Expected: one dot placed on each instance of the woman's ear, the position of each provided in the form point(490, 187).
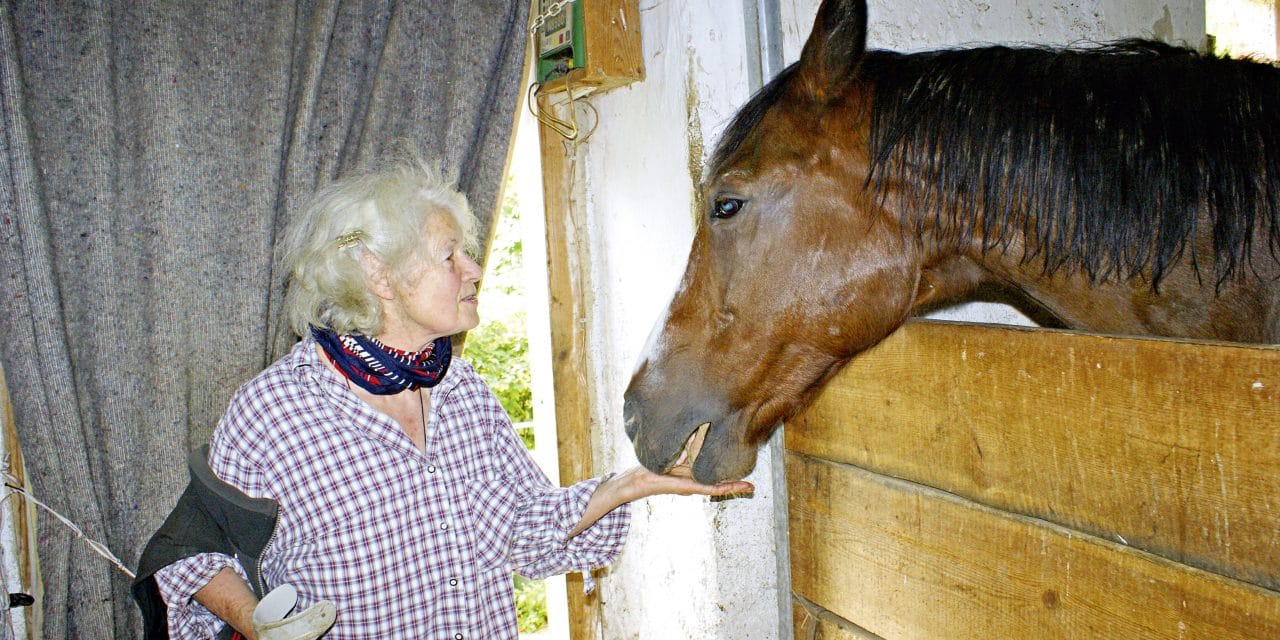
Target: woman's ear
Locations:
point(376, 274)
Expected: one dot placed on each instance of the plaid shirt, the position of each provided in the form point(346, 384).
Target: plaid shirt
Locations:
point(406, 544)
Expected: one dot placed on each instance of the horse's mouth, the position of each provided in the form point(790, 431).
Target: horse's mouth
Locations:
point(689, 453)
point(697, 441)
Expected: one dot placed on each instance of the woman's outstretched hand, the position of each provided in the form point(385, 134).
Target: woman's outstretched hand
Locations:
point(678, 480)
point(639, 482)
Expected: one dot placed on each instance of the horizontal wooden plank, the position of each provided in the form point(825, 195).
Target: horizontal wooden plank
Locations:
point(812, 622)
point(1168, 446)
point(905, 561)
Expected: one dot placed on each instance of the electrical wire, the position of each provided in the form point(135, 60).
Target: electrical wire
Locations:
point(12, 483)
point(566, 129)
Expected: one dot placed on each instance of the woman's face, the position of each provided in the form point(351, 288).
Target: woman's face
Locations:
point(436, 296)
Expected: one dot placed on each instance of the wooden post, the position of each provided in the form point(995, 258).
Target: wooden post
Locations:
point(566, 263)
point(18, 519)
point(611, 32)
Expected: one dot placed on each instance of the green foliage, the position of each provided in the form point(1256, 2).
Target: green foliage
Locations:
point(505, 266)
point(499, 347)
point(500, 353)
point(499, 350)
point(531, 604)
point(525, 431)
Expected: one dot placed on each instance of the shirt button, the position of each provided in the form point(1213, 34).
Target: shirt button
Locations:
point(453, 582)
point(457, 636)
point(444, 526)
point(431, 468)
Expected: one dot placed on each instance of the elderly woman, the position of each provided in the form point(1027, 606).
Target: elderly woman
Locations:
point(369, 470)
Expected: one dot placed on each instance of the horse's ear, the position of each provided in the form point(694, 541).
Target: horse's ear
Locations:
point(831, 55)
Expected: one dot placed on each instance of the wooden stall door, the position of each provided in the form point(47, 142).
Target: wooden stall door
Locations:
point(969, 481)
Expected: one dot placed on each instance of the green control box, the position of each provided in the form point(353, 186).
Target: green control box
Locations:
point(560, 43)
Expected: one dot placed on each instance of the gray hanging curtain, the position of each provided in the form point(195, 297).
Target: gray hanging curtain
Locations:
point(152, 152)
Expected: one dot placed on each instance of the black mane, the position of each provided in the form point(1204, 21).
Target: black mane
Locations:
point(1104, 157)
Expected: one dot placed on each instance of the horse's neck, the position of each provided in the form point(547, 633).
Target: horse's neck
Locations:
point(1186, 304)
point(1074, 300)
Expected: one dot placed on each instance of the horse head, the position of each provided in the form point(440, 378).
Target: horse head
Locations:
point(777, 293)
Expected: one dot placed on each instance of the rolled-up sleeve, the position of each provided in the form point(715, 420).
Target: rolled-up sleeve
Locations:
point(533, 518)
point(178, 584)
point(541, 545)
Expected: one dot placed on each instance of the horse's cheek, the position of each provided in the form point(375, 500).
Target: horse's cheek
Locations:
point(879, 286)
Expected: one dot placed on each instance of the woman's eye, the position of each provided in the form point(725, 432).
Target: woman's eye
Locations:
point(727, 207)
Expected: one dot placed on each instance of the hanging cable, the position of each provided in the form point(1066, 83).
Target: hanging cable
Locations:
point(566, 129)
point(12, 483)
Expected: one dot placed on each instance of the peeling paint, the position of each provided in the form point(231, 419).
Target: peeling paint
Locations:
point(693, 131)
point(1163, 28)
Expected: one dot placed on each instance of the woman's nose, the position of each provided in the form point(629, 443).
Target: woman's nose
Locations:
point(471, 269)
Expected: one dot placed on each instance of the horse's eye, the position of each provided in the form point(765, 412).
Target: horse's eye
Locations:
point(727, 207)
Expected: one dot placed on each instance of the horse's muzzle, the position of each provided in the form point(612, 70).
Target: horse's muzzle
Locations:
point(653, 449)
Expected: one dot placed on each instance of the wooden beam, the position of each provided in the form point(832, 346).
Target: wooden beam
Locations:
point(574, 397)
point(904, 561)
point(1171, 447)
point(19, 518)
point(611, 30)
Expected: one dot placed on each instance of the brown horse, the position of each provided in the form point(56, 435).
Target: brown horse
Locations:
point(1131, 188)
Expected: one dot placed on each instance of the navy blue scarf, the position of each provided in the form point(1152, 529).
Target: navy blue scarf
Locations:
point(383, 370)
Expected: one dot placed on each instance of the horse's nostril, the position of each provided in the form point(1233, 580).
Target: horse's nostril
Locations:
point(630, 423)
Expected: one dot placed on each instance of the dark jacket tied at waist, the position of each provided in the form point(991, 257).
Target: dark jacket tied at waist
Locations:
point(210, 517)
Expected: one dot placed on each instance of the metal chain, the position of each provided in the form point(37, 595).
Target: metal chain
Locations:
point(552, 11)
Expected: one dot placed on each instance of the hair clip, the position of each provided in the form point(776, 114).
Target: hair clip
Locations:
point(351, 239)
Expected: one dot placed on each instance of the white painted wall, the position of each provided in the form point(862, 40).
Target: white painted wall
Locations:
point(913, 25)
point(1243, 28)
point(693, 568)
point(677, 579)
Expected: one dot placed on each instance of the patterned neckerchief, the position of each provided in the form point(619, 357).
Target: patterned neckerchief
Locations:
point(383, 370)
